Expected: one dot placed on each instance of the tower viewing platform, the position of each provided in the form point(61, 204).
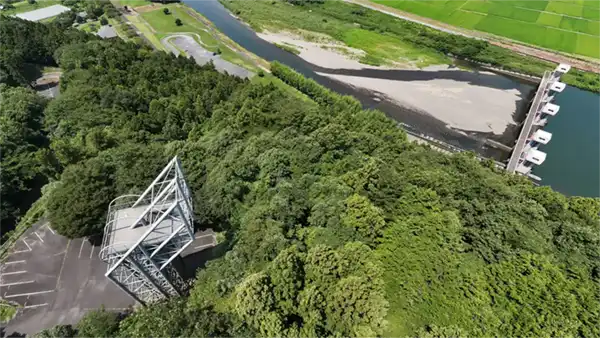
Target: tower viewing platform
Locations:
point(525, 153)
point(145, 233)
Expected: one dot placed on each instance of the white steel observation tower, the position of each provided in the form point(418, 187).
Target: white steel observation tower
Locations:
point(145, 233)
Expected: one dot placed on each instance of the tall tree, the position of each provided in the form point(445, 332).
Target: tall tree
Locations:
point(22, 142)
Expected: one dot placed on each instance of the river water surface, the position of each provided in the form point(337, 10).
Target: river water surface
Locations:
point(572, 166)
point(573, 162)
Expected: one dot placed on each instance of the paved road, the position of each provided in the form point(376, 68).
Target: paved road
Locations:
point(202, 56)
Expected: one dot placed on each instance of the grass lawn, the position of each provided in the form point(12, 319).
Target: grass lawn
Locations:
point(133, 3)
point(164, 25)
point(382, 47)
point(532, 22)
point(90, 27)
point(119, 27)
point(25, 6)
point(145, 29)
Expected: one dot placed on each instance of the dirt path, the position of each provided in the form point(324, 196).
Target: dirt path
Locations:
point(591, 66)
point(147, 8)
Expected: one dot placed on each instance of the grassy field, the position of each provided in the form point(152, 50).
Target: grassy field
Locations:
point(25, 6)
point(133, 3)
point(571, 26)
point(163, 25)
point(90, 27)
point(146, 31)
point(381, 49)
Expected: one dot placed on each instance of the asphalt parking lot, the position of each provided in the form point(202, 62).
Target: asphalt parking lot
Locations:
point(203, 56)
point(56, 280)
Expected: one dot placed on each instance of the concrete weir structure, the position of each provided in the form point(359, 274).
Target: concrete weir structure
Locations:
point(525, 153)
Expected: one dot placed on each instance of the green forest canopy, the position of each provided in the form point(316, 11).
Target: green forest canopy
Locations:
point(336, 225)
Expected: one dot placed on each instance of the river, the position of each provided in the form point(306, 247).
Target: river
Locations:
point(573, 162)
point(418, 120)
point(572, 166)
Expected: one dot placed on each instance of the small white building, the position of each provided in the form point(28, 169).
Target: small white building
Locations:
point(557, 86)
point(550, 109)
point(532, 157)
point(541, 136)
point(562, 68)
point(535, 156)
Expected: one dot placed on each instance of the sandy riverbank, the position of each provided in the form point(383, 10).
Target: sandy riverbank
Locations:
point(479, 102)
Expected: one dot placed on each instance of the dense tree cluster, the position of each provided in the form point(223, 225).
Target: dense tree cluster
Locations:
point(28, 46)
point(335, 224)
point(318, 293)
point(93, 8)
point(23, 151)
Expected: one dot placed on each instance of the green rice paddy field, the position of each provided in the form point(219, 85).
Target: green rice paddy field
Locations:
point(571, 26)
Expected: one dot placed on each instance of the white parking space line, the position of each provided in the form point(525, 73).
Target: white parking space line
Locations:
point(20, 251)
point(62, 265)
point(34, 306)
point(49, 228)
point(14, 262)
point(38, 236)
point(92, 252)
point(81, 247)
point(12, 273)
point(18, 283)
point(27, 294)
point(28, 247)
